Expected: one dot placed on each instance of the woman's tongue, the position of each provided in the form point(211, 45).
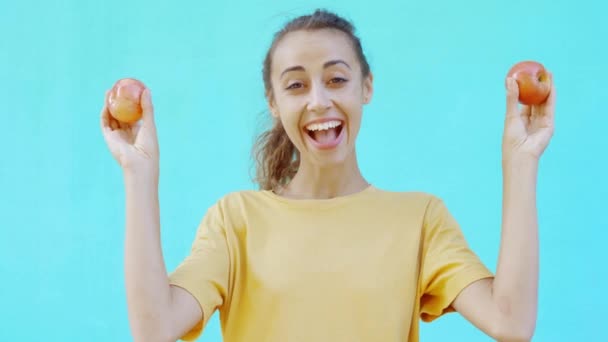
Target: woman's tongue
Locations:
point(325, 136)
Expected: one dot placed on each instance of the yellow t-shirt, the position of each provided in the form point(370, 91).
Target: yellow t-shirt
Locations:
point(362, 267)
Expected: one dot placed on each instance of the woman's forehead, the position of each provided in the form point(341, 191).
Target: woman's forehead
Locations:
point(312, 49)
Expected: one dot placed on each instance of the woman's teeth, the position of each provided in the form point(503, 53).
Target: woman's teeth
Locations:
point(323, 126)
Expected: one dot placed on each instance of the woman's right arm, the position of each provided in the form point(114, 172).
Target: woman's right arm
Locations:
point(157, 311)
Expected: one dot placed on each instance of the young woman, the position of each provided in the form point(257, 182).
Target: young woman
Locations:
point(319, 254)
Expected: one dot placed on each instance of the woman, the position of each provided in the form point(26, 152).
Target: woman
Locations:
point(319, 254)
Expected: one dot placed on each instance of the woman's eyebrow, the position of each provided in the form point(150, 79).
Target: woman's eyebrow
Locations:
point(334, 62)
point(325, 66)
point(293, 68)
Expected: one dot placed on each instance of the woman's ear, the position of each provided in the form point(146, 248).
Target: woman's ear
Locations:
point(272, 106)
point(368, 88)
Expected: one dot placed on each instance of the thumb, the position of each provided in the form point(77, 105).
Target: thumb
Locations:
point(512, 97)
point(147, 108)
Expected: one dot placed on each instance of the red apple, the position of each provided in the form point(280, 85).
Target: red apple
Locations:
point(124, 100)
point(533, 81)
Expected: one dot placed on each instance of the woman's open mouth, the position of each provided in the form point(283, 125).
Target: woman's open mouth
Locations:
point(325, 135)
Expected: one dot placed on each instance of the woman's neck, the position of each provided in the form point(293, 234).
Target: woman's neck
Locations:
point(314, 182)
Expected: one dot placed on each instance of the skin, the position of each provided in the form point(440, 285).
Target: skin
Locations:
point(504, 307)
point(315, 75)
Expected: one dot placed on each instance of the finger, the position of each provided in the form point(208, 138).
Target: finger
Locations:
point(123, 125)
point(109, 135)
point(549, 105)
point(113, 124)
point(526, 112)
point(114, 143)
point(136, 127)
point(147, 108)
point(512, 98)
point(104, 121)
point(106, 128)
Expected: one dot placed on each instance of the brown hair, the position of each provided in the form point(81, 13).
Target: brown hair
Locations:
point(276, 157)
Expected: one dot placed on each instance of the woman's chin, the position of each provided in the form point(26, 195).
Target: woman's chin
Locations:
point(324, 160)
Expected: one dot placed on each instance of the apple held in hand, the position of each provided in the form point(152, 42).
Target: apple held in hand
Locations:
point(124, 100)
point(533, 81)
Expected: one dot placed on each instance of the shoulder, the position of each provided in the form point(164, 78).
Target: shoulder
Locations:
point(242, 198)
point(240, 203)
point(420, 205)
point(409, 198)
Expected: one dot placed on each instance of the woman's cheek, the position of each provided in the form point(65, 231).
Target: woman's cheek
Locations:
point(293, 131)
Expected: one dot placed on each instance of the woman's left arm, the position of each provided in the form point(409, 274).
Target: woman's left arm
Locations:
point(505, 307)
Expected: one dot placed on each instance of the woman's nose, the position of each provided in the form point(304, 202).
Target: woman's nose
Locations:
point(319, 100)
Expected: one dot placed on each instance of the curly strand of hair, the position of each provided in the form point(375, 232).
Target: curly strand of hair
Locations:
point(278, 159)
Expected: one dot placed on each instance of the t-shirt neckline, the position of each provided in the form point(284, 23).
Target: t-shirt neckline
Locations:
point(321, 201)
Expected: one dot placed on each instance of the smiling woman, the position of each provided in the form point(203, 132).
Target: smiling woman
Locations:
point(319, 65)
point(318, 253)
point(316, 93)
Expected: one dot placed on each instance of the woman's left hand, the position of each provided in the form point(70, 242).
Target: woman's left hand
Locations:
point(528, 129)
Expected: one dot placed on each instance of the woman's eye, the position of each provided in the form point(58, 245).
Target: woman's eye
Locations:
point(337, 80)
point(295, 85)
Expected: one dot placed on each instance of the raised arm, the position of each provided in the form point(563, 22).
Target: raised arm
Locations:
point(506, 307)
point(157, 311)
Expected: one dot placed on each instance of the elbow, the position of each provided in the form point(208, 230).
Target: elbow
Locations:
point(520, 332)
point(151, 336)
point(514, 325)
point(150, 331)
point(511, 337)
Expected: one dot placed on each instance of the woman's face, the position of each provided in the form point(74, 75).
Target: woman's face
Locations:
point(318, 94)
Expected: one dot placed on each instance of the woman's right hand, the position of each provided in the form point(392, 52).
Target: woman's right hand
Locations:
point(134, 146)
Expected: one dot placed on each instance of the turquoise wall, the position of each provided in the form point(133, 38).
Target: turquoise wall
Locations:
point(434, 125)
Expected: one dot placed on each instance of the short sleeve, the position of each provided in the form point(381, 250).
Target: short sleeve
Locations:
point(448, 265)
point(204, 273)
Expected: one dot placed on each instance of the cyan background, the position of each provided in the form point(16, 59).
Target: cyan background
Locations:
point(434, 125)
